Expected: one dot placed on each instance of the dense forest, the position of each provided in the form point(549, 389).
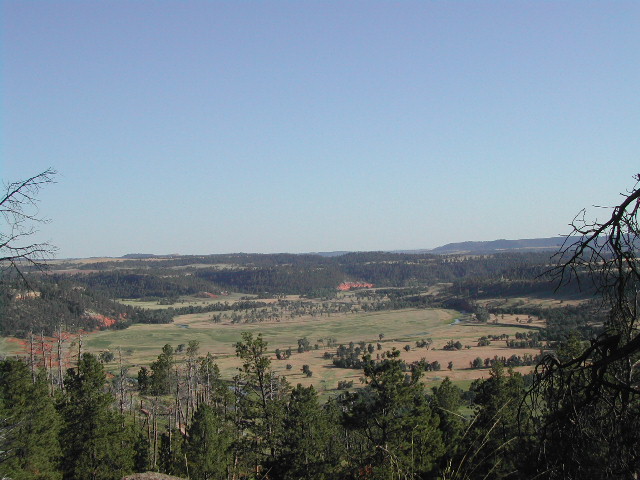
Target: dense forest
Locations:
point(297, 274)
point(51, 302)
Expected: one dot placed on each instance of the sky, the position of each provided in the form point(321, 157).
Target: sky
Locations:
point(202, 127)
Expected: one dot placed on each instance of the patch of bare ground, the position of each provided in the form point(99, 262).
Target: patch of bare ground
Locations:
point(150, 476)
point(537, 301)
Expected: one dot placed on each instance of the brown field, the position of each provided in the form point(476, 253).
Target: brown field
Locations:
point(141, 344)
point(539, 301)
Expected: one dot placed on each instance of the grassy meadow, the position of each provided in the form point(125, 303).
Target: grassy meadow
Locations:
point(141, 344)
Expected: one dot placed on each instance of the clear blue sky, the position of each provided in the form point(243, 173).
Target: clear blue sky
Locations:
point(202, 127)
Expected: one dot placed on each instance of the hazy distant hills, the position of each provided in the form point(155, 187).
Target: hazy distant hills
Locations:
point(493, 246)
point(530, 244)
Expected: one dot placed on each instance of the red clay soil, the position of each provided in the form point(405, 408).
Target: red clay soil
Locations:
point(105, 322)
point(206, 295)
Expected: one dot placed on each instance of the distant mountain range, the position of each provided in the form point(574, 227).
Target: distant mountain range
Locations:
point(493, 246)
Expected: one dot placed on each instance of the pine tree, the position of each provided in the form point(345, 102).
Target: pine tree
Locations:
point(398, 432)
point(160, 380)
point(261, 399)
point(95, 444)
point(215, 391)
point(491, 444)
point(306, 448)
point(171, 458)
point(29, 425)
point(446, 401)
point(208, 445)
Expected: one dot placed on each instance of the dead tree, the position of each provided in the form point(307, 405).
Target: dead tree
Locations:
point(60, 339)
point(20, 213)
point(585, 400)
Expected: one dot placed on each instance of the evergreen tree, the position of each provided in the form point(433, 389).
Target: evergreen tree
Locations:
point(160, 381)
point(95, 443)
point(29, 425)
point(171, 453)
point(446, 401)
point(143, 380)
point(261, 402)
point(306, 448)
point(208, 445)
point(494, 445)
point(216, 391)
point(399, 436)
point(142, 456)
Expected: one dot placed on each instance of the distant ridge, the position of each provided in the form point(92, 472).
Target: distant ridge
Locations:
point(469, 247)
point(144, 256)
point(492, 246)
point(529, 244)
point(331, 254)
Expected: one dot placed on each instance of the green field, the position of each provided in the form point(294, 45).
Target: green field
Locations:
point(141, 344)
point(218, 339)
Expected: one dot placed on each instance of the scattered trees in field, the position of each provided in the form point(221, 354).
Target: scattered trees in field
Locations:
point(511, 361)
point(579, 418)
point(303, 345)
point(424, 365)
point(106, 356)
point(345, 384)
point(424, 343)
point(451, 345)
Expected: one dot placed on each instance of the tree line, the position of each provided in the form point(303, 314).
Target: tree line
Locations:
point(190, 422)
point(307, 274)
point(184, 419)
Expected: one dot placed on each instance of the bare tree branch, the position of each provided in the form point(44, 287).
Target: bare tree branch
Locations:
point(593, 395)
point(20, 214)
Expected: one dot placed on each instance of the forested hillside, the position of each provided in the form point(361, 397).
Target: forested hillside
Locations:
point(83, 300)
